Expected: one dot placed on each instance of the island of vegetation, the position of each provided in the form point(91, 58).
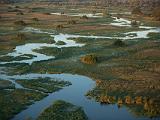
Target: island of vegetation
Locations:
point(13, 100)
point(62, 110)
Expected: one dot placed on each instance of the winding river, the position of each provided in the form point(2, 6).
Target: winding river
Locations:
point(76, 95)
point(80, 84)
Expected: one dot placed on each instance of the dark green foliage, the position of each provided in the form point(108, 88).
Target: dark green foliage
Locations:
point(35, 19)
point(84, 17)
point(62, 110)
point(60, 43)
point(59, 27)
point(21, 23)
point(62, 13)
point(119, 43)
point(20, 13)
point(134, 23)
point(20, 36)
point(71, 22)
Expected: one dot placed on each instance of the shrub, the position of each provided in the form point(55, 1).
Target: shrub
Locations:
point(128, 100)
point(93, 12)
point(119, 43)
point(84, 17)
point(137, 11)
point(138, 100)
point(22, 23)
point(118, 17)
point(17, 7)
point(89, 59)
point(35, 19)
point(47, 13)
point(120, 101)
point(20, 13)
point(105, 12)
point(62, 13)
point(72, 22)
point(52, 41)
point(60, 43)
point(134, 23)
point(59, 27)
point(20, 36)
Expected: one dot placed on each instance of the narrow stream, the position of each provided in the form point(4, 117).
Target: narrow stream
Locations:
point(67, 38)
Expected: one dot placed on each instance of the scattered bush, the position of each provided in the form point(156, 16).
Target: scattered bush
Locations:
point(138, 100)
point(9, 7)
point(21, 23)
point(137, 11)
point(62, 13)
point(118, 17)
point(120, 101)
point(20, 36)
point(47, 13)
point(105, 12)
point(119, 43)
point(52, 41)
point(60, 43)
point(72, 22)
point(89, 59)
point(128, 100)
point(17, 7)
point(35, 19)
point(20, 13)
point(84, 17)
point(59, 27)
point(94, 12)
point(134, 23)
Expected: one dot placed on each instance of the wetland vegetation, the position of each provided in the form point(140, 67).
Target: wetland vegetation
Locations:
point(43, 84)
point(117, 46)
point(63, 110)
point(13, 100)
